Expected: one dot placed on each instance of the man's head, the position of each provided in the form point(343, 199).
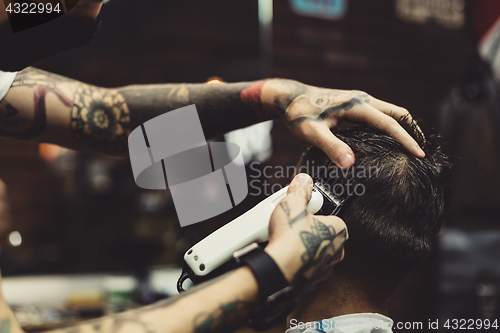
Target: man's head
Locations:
point(393, 224)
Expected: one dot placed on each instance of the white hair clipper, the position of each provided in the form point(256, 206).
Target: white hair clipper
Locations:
point(212, 256)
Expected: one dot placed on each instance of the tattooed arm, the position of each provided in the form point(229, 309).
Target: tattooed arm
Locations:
point(54, 109)
point(305, 247)
point(220, 305)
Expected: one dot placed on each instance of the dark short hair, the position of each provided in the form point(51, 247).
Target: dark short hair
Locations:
point(394, 223)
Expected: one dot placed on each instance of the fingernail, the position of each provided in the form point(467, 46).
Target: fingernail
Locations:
point(420, 151)
point(304, 178)
point(346, 160)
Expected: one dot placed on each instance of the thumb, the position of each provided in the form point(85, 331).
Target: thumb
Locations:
point(301, 187)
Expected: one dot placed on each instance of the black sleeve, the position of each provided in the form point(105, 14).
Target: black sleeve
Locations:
point(21, 49)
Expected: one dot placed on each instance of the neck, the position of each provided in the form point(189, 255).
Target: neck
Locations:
point(334, 298)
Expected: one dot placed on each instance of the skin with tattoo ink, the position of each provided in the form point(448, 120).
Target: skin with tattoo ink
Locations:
point(100, 117)
point(321, 237)
point(322, 243)
point(305, 251)
point(215, 321)
point(14, 126)
point(5, 326)
point(50, 108)
point(286, 209)
point(220, 106)
point(311, 112)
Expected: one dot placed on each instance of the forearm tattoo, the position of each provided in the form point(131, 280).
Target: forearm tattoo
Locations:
point(101, 119)
point(11, 124)
point(5, 325)
point(221, 107)
point(116, 323)
point(226, 318)
point(98, 118)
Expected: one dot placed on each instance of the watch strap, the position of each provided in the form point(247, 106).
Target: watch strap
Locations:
point(267, 273)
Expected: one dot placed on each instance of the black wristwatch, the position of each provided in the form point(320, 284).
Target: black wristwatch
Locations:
point(276, 297)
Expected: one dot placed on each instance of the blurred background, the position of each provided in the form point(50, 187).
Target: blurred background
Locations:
point(80, 225)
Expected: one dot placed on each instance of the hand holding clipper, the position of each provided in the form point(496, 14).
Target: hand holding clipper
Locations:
point(304, 246)
point(253, 226)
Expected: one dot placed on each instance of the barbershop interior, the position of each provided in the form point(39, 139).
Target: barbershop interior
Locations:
point(79, 239)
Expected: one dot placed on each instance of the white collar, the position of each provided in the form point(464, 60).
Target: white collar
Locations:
point(351, 323)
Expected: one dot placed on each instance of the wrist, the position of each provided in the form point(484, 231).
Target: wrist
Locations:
point(276, 298)
point(286, 259)
point(245, 279)
point(278, 94)
point(252, 95)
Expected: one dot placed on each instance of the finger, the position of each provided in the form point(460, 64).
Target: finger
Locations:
point(389, 109)
point(337, 150)
point(301, 187)
point(368, 114)
point(395, 112)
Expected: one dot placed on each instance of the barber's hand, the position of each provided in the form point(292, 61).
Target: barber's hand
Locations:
point(304, 246)
point(310, 112)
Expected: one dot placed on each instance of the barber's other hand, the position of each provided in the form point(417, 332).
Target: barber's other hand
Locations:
point(304, 246)
point(310, 112)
